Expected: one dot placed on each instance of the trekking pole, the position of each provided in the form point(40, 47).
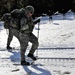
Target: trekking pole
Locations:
point(38, 38)
point(38, 30)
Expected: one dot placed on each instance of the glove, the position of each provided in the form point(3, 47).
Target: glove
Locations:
point(37, 21)
point(30, 34)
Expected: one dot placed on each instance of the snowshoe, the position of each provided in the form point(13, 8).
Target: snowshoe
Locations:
point(25, 63)
point(32, 57)
point(8, 47)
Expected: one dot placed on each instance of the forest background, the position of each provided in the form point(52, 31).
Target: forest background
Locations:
point(48, 7)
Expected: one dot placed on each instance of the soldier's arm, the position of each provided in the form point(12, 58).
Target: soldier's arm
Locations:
point(37, 20)
point(5, 17)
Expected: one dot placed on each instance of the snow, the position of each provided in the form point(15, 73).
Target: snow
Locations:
point(56, 49)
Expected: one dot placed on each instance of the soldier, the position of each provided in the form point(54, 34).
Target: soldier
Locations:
point(22, 28)
point(6, 19)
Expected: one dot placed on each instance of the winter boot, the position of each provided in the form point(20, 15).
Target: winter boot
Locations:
point(32, 56)
point(25, 63)
point(8, 47)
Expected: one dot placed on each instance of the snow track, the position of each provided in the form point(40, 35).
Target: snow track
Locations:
point(50, 54)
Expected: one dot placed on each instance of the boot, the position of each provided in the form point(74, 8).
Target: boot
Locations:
point(25, 63)
point(8, 47)
point(32, 56)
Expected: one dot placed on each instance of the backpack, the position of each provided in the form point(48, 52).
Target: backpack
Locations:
point(16, 16)
point(18, 13)
point(6, 19)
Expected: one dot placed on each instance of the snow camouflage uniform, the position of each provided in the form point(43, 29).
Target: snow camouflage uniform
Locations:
point(6, 18)
point(22, 28)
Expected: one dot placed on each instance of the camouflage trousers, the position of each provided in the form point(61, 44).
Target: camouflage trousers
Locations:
point(24, 39)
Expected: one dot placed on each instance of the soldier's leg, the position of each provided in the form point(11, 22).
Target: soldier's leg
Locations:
point(20, 37)
point(23, 39)
point(10, 37)
point(34, 40)
point(24, 43)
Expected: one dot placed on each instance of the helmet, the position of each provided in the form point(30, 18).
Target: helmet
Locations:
point(29, 9)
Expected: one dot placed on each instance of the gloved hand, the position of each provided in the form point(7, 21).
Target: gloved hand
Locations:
point(37, 21)
point(30, 34)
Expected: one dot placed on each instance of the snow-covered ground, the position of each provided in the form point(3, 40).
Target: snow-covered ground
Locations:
point(56, 49)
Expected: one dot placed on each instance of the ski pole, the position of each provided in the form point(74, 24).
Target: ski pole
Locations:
point(38, 30)
point(38, 38)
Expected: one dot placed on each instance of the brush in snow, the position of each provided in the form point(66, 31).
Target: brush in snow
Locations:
point(15, 70)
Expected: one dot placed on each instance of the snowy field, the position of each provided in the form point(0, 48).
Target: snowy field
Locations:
point(56, 50)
